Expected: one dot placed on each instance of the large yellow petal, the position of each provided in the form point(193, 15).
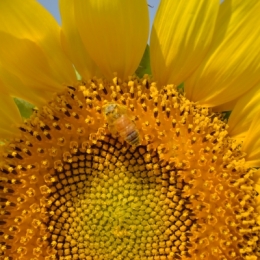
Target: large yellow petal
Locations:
point(233, 63)
point(73, 44)
point(10, 116)
point(27, 61)
point(16, 88)
point(243, 113)
point(29, 20)
point(256, 179)
point(226, 106)
point(251, 144)
point(181, 35)
point(114, 33)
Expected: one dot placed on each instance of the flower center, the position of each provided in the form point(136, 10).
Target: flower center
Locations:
point(122, 170)
point(119, 205)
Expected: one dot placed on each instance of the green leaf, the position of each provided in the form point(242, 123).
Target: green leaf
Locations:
point(25, 108)
point(144, 66)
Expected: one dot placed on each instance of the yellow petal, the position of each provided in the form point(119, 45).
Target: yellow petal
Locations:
point(27, 61)
point(247, 106)
point(29, 20)
point(16, 88)
point(256, 178)
point(114, 33)
point(181, 35)
point(233, 63)
point(10, 116)
point(73, 44)
point(226, 106)
point(251, 144)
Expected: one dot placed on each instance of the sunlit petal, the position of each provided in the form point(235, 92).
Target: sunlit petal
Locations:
point(247, 106)
point(10, 116)
point(35, 94)
point(226, 106)
point(181, 35)
point(31, 21)
point(72, 42)
point(251, 144)
point(233, 63)
point(26, 60)
point(114, 33)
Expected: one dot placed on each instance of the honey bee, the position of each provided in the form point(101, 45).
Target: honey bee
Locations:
point(120, 123)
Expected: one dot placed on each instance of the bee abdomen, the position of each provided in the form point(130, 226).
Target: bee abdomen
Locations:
point(133, 138)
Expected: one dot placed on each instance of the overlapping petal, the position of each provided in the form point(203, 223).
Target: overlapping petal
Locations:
point(181, 36)
point(12, 86)
point(251, 144)
point(114, 33)
point(10, 116)
point(15, 87)
point(31, 25)
point(243, 113)
point(73, 44)
point(232, 66)
point(27, 61)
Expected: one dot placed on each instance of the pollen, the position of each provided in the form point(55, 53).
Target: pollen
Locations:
point(73, 186)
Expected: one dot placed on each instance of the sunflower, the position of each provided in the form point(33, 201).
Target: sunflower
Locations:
point(118, 161)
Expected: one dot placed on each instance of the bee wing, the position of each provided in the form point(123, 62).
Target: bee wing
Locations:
point(112, 129)
point(123, 110)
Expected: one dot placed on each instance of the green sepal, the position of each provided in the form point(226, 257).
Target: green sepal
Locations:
point(180, 88)
point(226, 115)
point(144, 66)
point(25, 108)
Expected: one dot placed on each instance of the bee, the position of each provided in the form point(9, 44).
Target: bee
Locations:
point(120, 123)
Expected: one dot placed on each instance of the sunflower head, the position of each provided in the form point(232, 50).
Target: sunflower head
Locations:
point(74, 190)
point(124, 166)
